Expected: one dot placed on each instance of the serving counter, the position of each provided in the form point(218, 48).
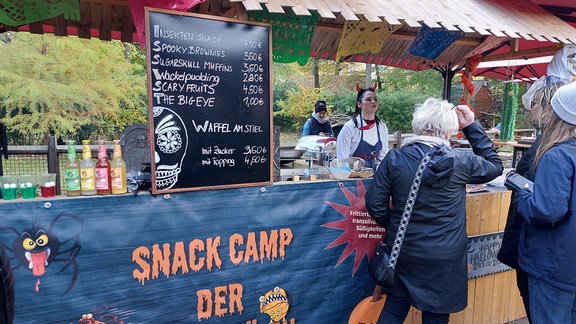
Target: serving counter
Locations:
point(286, 253)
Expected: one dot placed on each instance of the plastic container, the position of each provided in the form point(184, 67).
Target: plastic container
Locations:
point(28, 186)
point(9, 186)
point(355, 164)
point(47, 184)
point(340, 173)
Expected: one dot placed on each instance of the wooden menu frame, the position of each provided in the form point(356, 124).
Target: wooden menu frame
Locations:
point(209, 101)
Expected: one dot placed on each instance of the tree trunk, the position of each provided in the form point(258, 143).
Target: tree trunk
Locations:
point(316, 73)
point(368, 79)
point(378, 76)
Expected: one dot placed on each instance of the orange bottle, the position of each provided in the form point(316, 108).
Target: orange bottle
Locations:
point(118, 170)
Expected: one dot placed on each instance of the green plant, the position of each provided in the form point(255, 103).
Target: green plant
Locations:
point(299, 105)
point(396, 108)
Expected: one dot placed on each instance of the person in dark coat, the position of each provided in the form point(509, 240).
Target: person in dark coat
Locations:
point(546, 246)
point(319, 123)
point(431, 272)
point(541, 114)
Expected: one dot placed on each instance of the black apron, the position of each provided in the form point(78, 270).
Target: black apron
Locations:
point(367, 152)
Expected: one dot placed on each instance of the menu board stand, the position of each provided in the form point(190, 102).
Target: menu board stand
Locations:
point(209, 100)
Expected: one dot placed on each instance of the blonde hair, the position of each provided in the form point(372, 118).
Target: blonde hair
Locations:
point(556, 131)
point(542, 111)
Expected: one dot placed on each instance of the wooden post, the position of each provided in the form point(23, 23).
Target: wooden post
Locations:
point(53, 165)
point(398, 137)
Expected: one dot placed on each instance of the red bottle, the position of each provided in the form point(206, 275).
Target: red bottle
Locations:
point(103, 178)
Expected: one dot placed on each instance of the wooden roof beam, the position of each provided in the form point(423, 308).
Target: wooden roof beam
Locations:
point(515, 54)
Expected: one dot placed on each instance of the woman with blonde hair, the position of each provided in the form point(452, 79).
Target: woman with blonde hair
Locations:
point(541, 113)
point(546, 250)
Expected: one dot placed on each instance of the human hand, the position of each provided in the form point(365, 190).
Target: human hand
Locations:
point(465, 115)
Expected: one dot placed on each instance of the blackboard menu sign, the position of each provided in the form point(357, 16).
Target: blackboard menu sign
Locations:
point(209, 95)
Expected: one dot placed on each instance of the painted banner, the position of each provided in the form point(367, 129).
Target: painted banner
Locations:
point(285, 253)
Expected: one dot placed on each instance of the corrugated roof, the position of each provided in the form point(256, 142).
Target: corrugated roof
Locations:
point(508, 20)
point(502, 18)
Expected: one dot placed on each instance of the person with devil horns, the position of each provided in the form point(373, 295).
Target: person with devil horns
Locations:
point(365, 135)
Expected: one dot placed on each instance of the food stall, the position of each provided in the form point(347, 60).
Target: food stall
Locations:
point(224, 256)
point(227, 246)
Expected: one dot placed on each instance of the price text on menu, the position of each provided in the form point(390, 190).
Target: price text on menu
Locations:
point(209, 101)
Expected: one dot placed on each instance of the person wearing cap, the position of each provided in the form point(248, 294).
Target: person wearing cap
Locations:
point(319, 123)
point(547, 252)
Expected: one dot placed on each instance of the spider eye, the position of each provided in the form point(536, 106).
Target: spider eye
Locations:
point(28, 244)
point(42, 240)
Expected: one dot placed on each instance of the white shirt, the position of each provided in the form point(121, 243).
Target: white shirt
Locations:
point(349, 138)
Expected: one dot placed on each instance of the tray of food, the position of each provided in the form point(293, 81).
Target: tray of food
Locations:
point(473, 188)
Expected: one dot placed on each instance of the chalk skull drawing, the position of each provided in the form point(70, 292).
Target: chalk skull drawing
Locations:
point(171, 144)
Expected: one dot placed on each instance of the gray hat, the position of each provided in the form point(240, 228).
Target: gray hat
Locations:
point(564, 103)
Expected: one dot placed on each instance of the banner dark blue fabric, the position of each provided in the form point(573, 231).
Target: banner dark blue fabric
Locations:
point(286, 252)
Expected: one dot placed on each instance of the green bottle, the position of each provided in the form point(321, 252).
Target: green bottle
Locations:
point(72, 171)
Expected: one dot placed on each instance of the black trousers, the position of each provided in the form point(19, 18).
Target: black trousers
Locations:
point(396, 309)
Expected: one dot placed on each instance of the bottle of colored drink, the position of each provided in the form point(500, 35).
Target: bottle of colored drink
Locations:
point(72, 172)
point(118, 171)
point(103, 179)
point(87, 170)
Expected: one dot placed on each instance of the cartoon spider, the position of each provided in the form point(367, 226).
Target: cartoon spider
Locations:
point(37, 248)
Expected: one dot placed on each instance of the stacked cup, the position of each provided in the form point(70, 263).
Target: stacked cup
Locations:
point(28, 186)
point(9, 186)
point(48, 184)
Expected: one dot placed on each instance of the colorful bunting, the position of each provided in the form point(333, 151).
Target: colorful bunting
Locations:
point(431, 42)
point(363, 36)
point(291, 34)
point(22, 12)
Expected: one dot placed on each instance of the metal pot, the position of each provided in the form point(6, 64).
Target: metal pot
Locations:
point(317, 147)
point(290, 154)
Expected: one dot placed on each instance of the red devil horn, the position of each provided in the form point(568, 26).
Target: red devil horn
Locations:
point(374, 86)
point(358, 87)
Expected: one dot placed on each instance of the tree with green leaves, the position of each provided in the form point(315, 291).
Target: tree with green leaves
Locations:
point(70, 87)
